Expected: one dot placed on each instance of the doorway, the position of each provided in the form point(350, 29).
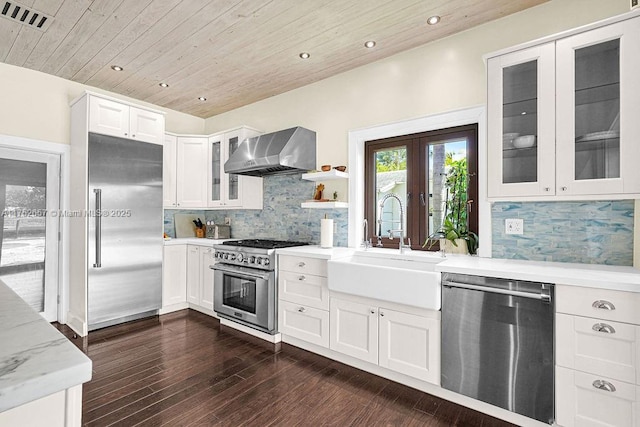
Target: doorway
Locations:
point(29, 227)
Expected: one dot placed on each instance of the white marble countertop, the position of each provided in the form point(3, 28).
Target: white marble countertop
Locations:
point(587, 275)
point(316, 252)
point(35, 359)
point(193, 241)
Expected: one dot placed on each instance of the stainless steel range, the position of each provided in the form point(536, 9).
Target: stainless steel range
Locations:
point(245, 281)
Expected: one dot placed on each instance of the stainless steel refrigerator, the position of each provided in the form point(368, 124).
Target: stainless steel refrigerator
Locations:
point(125, 230)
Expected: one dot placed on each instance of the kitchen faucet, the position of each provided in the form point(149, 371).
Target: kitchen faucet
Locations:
point(401, 245)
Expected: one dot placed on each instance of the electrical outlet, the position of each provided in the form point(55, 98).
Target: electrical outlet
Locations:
point(227, 220)
point(514, 226)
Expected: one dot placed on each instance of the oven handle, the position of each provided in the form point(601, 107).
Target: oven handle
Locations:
point(223, 268)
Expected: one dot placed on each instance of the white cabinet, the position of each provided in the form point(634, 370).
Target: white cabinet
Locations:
point(174, 275)
point(115, 118)
point(399, 341)
point(577, 97)
point(191, 173)
point(200, 277)
point(303, 307)
point(231, 190)
point(597, 357)
point(169, 155)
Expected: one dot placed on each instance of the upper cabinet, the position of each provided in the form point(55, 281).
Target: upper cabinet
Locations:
point(114, 118)
point(561, 116)
point(191, 172)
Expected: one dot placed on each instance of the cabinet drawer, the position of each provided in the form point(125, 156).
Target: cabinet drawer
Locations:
point(303, 265)
point(305, 289)
point(305, 323)
point(580, 403)
point(601, 347)
point(618, 306)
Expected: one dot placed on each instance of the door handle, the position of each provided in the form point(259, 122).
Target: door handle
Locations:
point(98, 216)
point(604, 385)
point(423, 201)
point(603, 305)
point(603, 327)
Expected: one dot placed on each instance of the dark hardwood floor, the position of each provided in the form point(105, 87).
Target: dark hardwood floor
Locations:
point(184, 369)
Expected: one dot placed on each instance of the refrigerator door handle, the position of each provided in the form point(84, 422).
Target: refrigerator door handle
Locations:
point(98, 216)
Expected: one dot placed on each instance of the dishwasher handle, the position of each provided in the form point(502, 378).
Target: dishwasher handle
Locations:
point(543, 296)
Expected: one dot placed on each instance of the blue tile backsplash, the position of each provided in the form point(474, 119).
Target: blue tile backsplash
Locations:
point(281, 218)
point(594, 232)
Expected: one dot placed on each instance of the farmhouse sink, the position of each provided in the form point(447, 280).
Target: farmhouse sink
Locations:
point(381, 274)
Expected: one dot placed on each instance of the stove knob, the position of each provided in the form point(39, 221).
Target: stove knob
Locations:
point(266, 262)
point(258, 260)
point(232, 257)
point(251, 259)
point(239, 258)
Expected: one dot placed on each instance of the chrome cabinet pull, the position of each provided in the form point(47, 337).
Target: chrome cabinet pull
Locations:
point(547, 189)
point(302, 278)
point(603, 305)
point(373, 312)
point(604, 385)
point(382, 313)
point(301, 264)
point(301, 310)
point(603, 327)
point(98, 216)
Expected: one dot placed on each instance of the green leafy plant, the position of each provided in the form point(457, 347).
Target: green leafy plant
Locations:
point(455, 224)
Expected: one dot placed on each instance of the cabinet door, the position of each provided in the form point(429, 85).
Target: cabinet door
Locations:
point(584, 399)
point(206, 277)
point(354, 329)
point(191, 172)
point(598, 99)
point(216, 178)
point(193, 274)
point(304, 289)
point(410, 344)
point(169, 171)
point(233, 182)
point(521, 108)
point(108, 117)
point(146, 125)
point(305, 323)
point(174, 275)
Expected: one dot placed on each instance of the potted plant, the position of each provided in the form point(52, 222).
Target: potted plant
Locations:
point(454, 235)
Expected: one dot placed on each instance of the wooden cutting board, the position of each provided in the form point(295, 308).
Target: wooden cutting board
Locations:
point(184, 224)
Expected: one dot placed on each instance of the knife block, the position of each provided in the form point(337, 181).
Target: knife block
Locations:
point(200, 233)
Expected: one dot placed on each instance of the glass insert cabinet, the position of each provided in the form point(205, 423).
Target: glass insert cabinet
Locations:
point(563, 116)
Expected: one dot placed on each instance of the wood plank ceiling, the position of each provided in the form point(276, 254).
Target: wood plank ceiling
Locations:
point(233, 52)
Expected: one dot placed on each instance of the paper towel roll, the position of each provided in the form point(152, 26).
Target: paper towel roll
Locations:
point(326, 233)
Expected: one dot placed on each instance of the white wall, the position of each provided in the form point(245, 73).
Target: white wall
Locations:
point(36, 105)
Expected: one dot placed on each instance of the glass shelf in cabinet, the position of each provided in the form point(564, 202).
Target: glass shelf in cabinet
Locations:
point(597, 94)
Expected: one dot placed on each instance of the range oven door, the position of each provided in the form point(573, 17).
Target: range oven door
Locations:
point(246, 295)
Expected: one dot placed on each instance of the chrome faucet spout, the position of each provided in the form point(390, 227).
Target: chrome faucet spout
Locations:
point(400, 230)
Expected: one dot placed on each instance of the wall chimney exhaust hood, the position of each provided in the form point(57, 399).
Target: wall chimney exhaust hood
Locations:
point(283, 152)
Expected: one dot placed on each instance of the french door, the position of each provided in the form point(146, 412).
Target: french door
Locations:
point(29, 226)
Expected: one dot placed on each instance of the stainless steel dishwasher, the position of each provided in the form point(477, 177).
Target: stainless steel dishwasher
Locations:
point(497, 342)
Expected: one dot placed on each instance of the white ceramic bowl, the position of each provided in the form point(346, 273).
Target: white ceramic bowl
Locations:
point(507, 139)
point(524, 141)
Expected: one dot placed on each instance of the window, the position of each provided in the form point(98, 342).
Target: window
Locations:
point(422, 170)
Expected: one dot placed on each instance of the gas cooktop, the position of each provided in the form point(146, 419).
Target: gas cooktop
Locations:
point(263, 243)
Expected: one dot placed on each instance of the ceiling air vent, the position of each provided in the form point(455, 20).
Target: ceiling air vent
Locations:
point(25, 15)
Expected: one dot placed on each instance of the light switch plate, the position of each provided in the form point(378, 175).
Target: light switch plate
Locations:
point(514, 226)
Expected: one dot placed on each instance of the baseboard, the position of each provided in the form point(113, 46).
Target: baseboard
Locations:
point(79, 326)
point(203, 310)
point(173, 307)
point(250, 331)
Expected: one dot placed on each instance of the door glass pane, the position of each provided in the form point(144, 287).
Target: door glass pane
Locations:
point(239, 292)
point(447, 183)
point(391, 179)
point(23, 227)
point(233, 178)
point(520, 123)
point(216, 171)
point(597, 109)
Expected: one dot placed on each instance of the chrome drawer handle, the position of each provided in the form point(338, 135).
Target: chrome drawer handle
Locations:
point(301, 264)
point(604, 385)
point(301, 278)
point(603, 327)
point(603, 305)
point(301, 310)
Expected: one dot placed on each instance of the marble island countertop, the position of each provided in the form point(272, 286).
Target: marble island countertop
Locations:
point(35, 359)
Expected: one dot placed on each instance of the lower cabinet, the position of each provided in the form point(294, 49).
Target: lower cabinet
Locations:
point(200, 276)
point(305, 323)
point(399, 341)
point(585, 399)
point(174, 275)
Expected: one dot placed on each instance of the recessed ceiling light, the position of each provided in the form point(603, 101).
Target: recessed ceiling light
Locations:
point(163, 84)
point(304, 55)
point(369, 44)
point(202, 98)
point(116, 68)
point(433, 20)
